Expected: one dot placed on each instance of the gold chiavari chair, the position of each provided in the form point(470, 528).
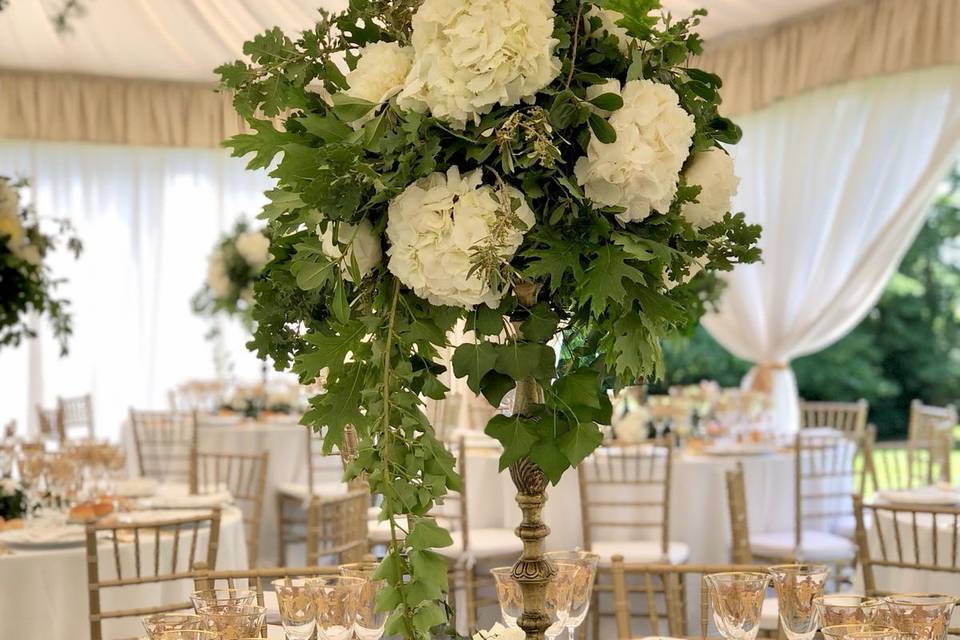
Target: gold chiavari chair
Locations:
point(908, 538)
point(662, 593)
point(48, 422)
point(75, 414)
point(931, 429)
point(245, 477)
point(740, 552)
point(474, 550)
point(893, 466)
point(165, 444)
point(824, 480)
point(173, 545)
point(625, 510)
point(337, 528)
point(324, 478)
point(848, 417)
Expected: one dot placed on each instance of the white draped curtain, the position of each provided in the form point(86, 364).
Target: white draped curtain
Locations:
point(840, 179)
point(148, 218)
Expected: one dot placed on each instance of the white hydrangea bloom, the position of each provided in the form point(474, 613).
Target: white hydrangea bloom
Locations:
point(361, 242)
point(608, 20)
point(640, 170)
point(712, 170)
point(380, 72)
point(217, 279)
point(12, 226)
point(254, 247)
point(434, 227)
point(470, 56)
point(9, 198)
point(500, 632)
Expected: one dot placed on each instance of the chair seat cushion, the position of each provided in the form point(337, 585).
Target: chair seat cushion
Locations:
point(818, 546)
point(484, 543)
point(769, 615)
point(378, 531)
point(300, 491)
point(293, 490)
point(641, 551)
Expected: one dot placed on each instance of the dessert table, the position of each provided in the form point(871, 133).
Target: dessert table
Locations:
point(282, 436)
point(44, 594)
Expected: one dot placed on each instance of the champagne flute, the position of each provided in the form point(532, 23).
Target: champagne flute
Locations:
point(797, 586)
point(582, 585)
point(370, 623)
point(737, 602)
point(508, 595)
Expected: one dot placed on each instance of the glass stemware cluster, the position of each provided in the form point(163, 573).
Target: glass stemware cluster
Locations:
point(737, 602)
point(568, 593)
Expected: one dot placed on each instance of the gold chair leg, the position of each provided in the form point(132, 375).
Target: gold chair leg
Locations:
point(281, 533)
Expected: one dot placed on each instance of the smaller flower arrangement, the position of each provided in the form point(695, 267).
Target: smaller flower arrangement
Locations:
point(26, 281)
point(13, 500)
point(500, 632)
point(237, 260)
point(252, 401)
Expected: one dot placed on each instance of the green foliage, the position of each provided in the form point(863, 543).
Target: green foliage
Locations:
point(578, 272)
point(27, 284)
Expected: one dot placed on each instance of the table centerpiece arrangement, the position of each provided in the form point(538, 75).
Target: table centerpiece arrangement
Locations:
point(534, 169)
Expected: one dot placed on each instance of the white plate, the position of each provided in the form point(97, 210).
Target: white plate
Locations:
point(70, 535)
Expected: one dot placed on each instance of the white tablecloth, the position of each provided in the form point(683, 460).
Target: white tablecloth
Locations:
point(283, 438)
point(43, 593)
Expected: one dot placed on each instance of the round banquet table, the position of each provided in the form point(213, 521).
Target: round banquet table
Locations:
point(44, 591)
point(282, 436)
point(699, 515)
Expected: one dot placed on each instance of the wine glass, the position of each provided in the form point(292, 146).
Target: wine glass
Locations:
point(582, 585)
point(297, 601)
point(338, 599)
point(559, 597)
point(222, 597)
point(160, 623)
point(189, 634)
point(846, 608)
point(508, 595)
point(797, 586)
point(924, 616)
point(860, 632)
point(231, 622)
point(737, 602)
point(370, 622)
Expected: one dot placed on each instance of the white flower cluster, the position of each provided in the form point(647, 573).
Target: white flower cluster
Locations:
point(640, 170)
point(471, 56)
point(217, 279)
point(380, 72)
point(434, 227)
point(11, 225)
point(361, 245)
point(254, 247)
point(500, 632)
point(713, 171)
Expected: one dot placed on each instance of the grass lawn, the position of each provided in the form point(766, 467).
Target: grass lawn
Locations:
point(884, 482)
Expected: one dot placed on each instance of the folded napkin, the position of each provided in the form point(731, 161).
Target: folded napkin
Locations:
point(186, 501)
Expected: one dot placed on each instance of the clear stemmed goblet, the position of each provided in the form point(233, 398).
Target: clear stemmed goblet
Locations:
point(222, 597)
point(370, 622)
point(559, 598)
point(737, 602)
point(232, 622)
point(924, 616)
point(508, 595)
point(859, 632)
point(846, 608)
point(160, 623)
point(582, 585)
point(297, 601)
point(338, 599)
point(798, 585)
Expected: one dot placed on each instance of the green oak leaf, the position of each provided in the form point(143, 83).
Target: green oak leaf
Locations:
point(603, 282)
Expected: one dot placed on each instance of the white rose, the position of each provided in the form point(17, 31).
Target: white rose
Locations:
point(380, 72)
point(434, 227)
point(471, 56)
point(713, 171)
point(362, 245)
point(254, 247)
point(9, 198)
point(12, 226)
point(500, 632)
point(640, 170)
point(217, 279)
point(608, 24)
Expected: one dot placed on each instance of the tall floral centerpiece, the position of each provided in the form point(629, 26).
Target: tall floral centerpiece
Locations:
point(534, 168)
point(27, 284)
